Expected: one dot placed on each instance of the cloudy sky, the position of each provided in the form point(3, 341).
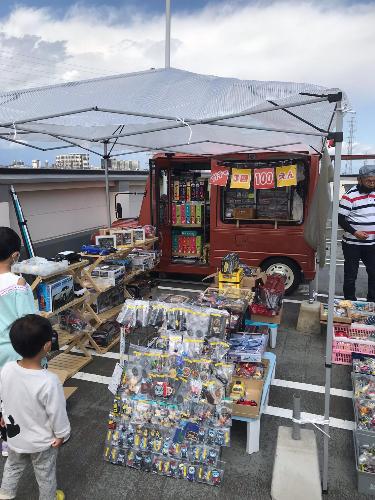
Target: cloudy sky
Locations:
point(327, 43)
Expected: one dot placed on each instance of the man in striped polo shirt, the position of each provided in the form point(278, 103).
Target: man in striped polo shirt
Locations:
point(357, 218)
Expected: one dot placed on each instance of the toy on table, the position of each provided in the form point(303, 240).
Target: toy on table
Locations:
point(249, 370)
point(238, 391)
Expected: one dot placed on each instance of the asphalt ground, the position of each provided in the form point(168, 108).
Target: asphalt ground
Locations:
point(83, 474)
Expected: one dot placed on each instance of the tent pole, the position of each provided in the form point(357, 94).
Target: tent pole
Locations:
point(106, 161)
point(167, 34)
point(332, 290)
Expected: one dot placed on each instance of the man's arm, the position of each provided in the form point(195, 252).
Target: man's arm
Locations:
point(344, 224)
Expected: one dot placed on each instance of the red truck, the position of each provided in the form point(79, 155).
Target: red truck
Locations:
point(199, 223)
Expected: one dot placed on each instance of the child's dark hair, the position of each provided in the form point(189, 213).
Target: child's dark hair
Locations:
point(29, 334)
point(10, 242)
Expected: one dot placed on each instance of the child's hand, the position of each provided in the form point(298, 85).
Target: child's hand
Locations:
point(2, 422)
point(57, 442)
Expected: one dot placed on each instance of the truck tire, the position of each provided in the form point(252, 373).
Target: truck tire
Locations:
point(285, 266)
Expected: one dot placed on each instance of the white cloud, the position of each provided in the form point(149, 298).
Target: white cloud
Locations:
point(331, 43)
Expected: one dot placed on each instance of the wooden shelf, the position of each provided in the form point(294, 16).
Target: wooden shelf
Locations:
point(107, 315)
point(72, 269)
point(70, 363)
point(70, 304)
point(103, 350)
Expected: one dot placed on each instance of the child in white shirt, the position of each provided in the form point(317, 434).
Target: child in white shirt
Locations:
point(34, 410)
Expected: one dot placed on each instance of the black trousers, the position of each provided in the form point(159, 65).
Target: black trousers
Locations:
point(352, 255)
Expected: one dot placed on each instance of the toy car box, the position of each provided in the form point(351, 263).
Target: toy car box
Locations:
point(106, 333)
point(109, 298)
point(139, 235)
point(55, 293)
point(112, 274)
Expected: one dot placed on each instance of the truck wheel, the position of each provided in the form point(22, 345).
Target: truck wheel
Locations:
point(288, 268)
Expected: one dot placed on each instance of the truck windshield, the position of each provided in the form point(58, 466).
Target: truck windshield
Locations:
point(282, 204)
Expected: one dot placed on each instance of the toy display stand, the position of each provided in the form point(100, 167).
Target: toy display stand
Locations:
point(100, 318)
point(67, 362)
point(253, 424)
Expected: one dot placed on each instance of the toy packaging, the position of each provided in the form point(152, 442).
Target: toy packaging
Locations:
point(170, 415)
point(55, 293)
point(112, 297)
point(139, 234)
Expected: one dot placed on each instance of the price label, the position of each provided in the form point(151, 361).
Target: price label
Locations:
point(219, 176)
point(264, 178)
point(240, 178)
point(286, 176)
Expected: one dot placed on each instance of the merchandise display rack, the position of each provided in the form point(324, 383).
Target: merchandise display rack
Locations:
point(68, 362)
point(97, 260)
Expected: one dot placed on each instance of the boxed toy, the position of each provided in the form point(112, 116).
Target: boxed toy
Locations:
point(128, 237)
point(55, 293)
point(112, 274)
point(139, 234)
point(110, 298)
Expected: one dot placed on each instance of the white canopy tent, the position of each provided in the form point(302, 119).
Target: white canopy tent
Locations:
point(174, 111)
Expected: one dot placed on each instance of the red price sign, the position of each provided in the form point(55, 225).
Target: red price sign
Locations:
point(264, 178)
point(219, 175)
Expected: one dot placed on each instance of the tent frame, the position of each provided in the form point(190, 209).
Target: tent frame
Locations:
point(68, 140)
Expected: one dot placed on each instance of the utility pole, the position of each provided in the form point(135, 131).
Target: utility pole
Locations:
point(350, 141)
point(167, 34)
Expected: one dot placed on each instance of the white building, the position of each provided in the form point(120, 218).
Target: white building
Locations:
point(116, 164)
point(36, 163)
point(73, 161)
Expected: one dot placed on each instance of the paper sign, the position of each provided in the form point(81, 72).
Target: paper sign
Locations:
point(219, 176)
point(116, 379)
point(240, 178)
point(286, 176)
point(264, 178)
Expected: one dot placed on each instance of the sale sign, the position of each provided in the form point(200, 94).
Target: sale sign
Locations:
point(240, 179)
point(264, 178)
point(219, 176)
point(286, 176)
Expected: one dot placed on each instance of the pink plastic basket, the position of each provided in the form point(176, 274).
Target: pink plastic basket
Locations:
point(341, 358)
point(355, 331)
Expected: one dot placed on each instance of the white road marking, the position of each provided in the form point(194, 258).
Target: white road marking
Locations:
point(338, 423)
point(320, 389)
point(293, 301)
point(271, 410)
point(92, 377)
point(339, 296)
point(110, 355)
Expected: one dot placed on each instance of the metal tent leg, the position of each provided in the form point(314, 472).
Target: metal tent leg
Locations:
point(106, 158)
point(331, 291)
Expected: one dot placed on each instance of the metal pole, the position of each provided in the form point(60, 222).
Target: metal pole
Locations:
point(317, 278)
point(167, 34)
point(296, 430)
point(106, 159)
point(331, 291)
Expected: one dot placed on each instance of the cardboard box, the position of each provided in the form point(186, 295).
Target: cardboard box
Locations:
point(54, 294)
point(244, 213)
point(254, 391)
